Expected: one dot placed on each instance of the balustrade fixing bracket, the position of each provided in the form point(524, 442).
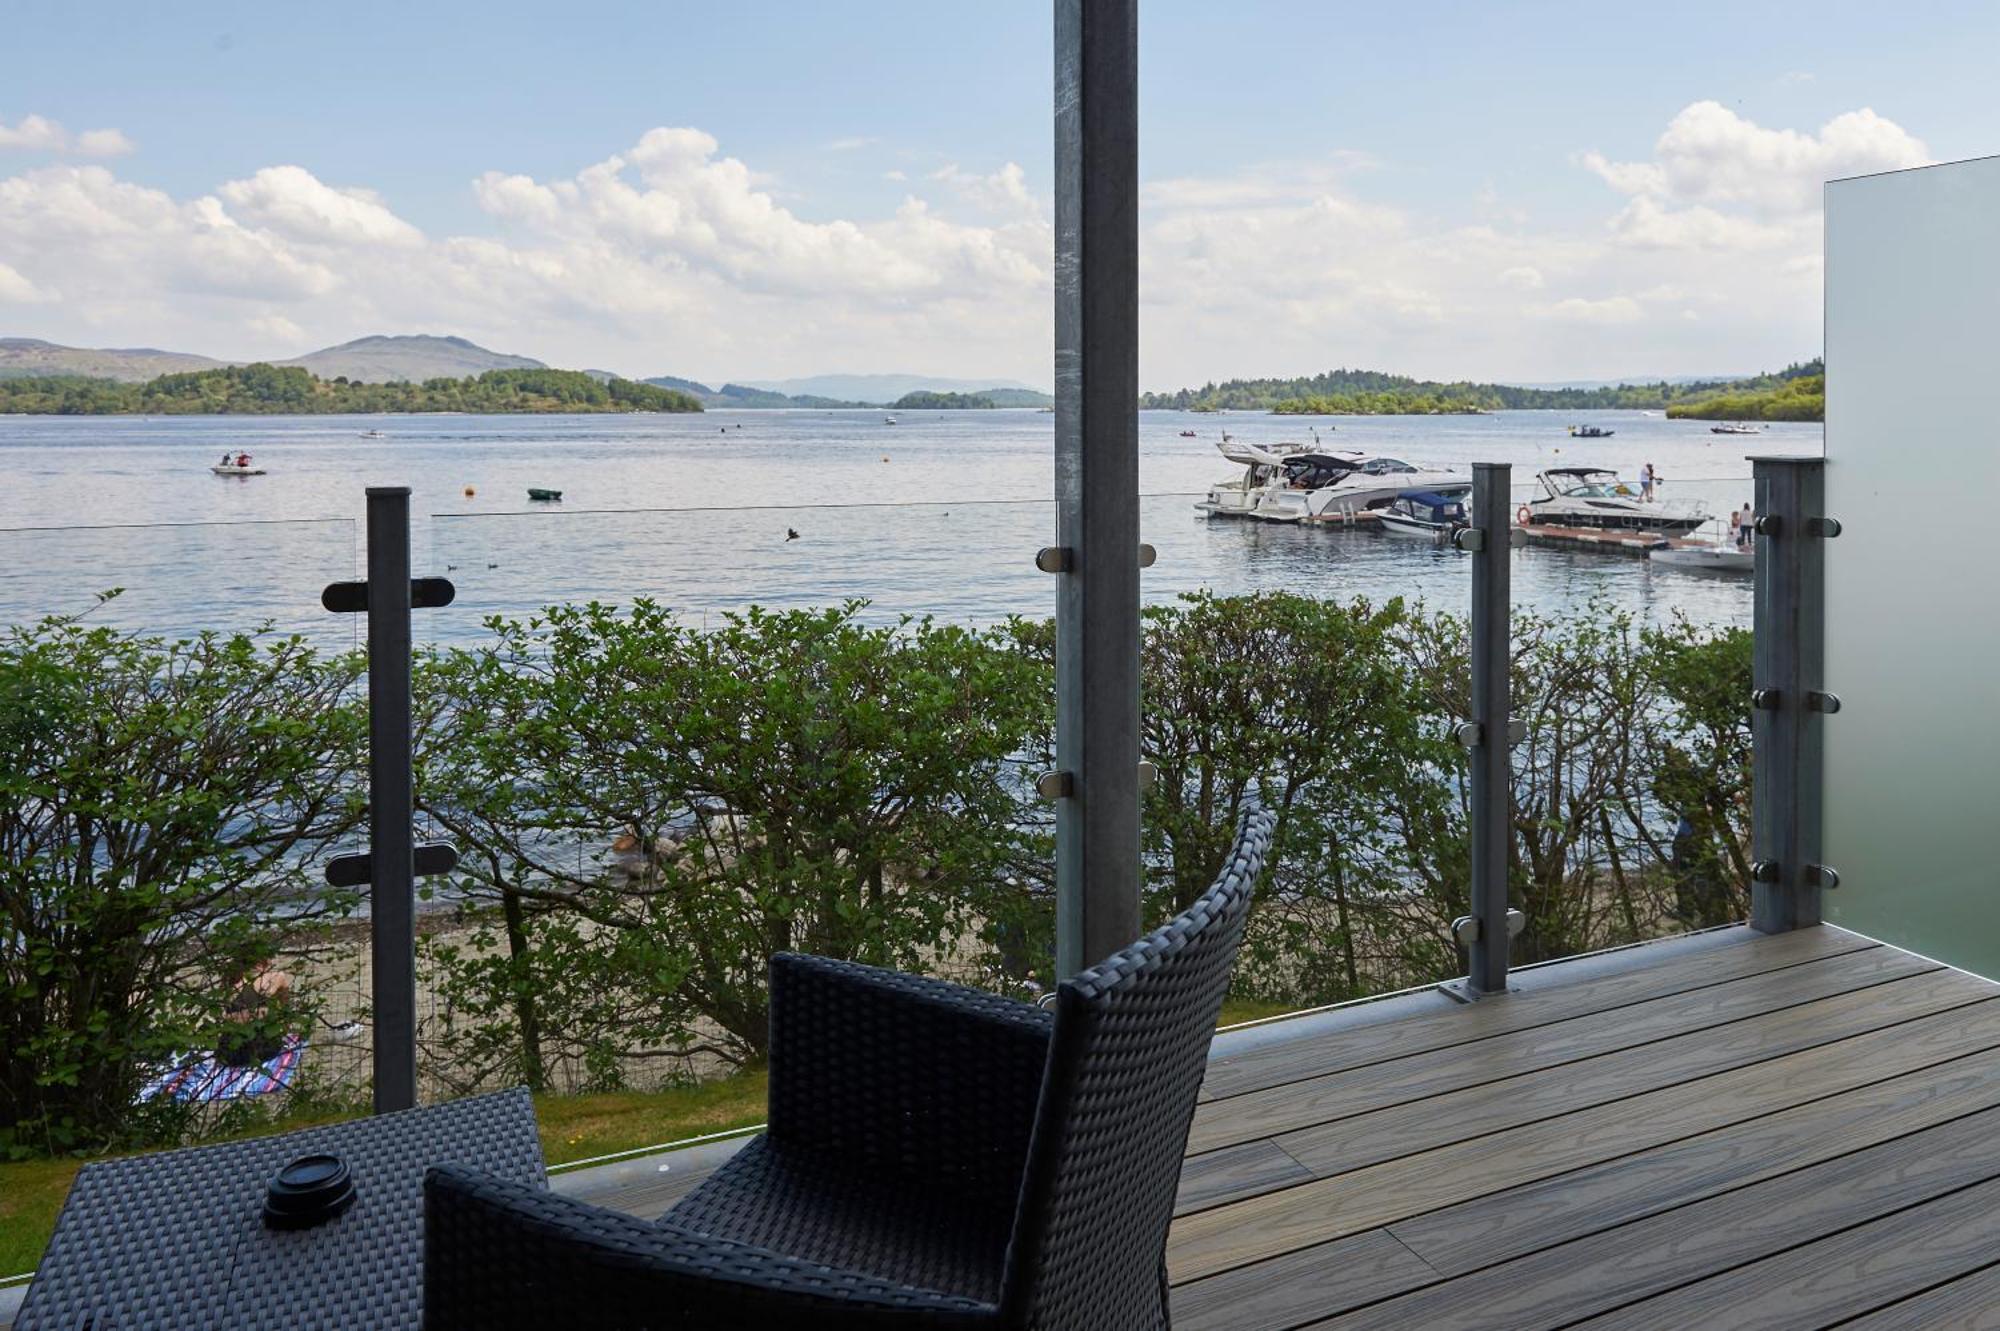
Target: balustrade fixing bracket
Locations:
point(1055, 785)
point(1824, 528)
point(359, 870)
point(1470, 539)
point(1769, 524)
point(1825, 703)
point(1471, 734)
point(351, 598)
point(1766, 700)
point(1822, 875)
point(1055, 559)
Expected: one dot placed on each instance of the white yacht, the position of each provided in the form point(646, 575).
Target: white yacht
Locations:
point(1595, 497)
point(1296, 483)
point(1431, 514)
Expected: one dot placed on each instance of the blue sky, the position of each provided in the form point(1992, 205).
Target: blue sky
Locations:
point(1405, 187)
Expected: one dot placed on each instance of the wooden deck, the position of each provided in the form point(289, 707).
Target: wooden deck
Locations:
point(1729, 1130)
point(1789, 1131)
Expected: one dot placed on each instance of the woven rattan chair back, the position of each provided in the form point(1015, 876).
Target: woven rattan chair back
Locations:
point(1130, 1046)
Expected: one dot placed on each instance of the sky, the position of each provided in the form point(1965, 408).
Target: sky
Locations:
point(756, 190)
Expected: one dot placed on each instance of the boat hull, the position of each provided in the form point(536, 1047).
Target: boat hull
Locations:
point(237, 471)
point(1707, 559)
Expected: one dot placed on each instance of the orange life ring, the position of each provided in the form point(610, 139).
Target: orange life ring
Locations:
point(1521, 516)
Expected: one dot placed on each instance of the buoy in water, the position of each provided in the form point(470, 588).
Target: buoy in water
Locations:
point(885, 457)
point(469, 492)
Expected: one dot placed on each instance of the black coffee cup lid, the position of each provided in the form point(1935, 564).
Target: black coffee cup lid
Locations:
point(309, 1191)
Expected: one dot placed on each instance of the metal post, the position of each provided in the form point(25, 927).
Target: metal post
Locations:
point(391, 804)
point(1788, 698)
point(1489, 736)
point(1097, 479)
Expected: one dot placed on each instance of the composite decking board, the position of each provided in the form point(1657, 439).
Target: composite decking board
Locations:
point(1236, 1234)
point(1300, 1286)
point(1558, 1286)
point(1969, 1303)
point(1826, 1281)
point(1241, 1171)
point(1272, 1065)
point(1508, 1224)
point(1338, 1095)
point(1459, 1116)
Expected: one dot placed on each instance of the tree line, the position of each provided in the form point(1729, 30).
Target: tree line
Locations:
point(292, 390)
point(1369, 392)
point(646, 810)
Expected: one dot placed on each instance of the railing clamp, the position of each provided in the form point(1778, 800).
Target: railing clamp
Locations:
point(1766, 700)
point(426, 861)
point(1055, 559)
point(1055, 785)
point(1471, 734)
point(1824, 528)
point(1822, 875)
point(1472, 540)
point(1826, 703)
point(351, 598)
point(1465, 929)
point(1769, 524)
point(1766, 871)
point(1147, 775)
point(1148, 556)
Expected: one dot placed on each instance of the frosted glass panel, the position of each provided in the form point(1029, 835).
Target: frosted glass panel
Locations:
point(1912, 634)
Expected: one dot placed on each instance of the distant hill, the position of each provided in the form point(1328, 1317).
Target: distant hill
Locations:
point(413, 359)
point(680, 385)
point(1370, 392)
point(742, 396)
point(882, 389)
point(290, 390)
point(30, 357)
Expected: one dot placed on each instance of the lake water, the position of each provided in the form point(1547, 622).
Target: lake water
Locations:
point(940, 514)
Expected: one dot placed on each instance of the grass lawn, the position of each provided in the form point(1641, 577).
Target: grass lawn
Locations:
point(574, 1127)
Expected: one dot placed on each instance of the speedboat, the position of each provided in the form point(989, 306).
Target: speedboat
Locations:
point(888, 420)
point(373, 434)
point(1235, 497)
point(1431, 514)
point(240, 465)
point(1331, 486)
point(1705, 559)
point(1590, 432)
point(1187, 434)
point(1595, 498)
point(1735, 427)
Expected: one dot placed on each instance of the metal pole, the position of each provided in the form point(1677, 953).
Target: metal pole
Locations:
point(1788, 698)
point(392, 900)
point(1491, 731)
point(1097, 478)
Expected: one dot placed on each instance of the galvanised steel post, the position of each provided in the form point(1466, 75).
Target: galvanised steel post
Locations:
point(1489, 738)
point(1096, 557)
point(1788, 698)
point(392, 899)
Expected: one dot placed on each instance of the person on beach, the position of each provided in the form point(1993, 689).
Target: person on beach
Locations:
point(249, 1035)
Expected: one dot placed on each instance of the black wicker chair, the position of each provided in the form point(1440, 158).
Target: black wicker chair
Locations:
point(935, 1157)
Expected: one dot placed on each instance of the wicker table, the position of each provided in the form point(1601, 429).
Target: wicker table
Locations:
point(177, 1239)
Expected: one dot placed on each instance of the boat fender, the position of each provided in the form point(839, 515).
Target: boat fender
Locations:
point(1521, 516)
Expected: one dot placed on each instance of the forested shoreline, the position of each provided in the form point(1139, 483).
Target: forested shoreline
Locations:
point(286, 390)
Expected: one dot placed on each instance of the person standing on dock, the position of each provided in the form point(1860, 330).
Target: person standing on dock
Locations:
point(1646, 483)
point(1746, 528)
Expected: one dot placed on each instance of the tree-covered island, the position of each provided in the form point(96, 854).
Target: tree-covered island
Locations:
point(272, 390)
point(1794, 393)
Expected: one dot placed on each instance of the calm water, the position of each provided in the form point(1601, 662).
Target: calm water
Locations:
point(940, 514)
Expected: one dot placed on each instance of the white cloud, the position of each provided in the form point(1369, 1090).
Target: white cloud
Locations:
point(1710, 155)
point(18, 290)
point(40, 134)
point(1593, 313)
point(292, 202)
point(1522, 277)
point(851, 143)
point(1648, 224)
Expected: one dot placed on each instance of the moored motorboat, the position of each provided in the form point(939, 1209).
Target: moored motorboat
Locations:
point(1590, 432)
point(1735, 427)
point(1187, 434)
point(536, 492)
point(1431, 514)
point(373, 434)
point(1594, 498)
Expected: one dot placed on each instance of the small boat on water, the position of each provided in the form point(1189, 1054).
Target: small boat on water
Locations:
point(373, 434)
point(1705, 558)
point(1735, 427)
point(539, 494)
point(888, 420)
point(1590, 432)
point(1431, 514)
point(239, 465)
point(1594, 498)
point(1187, 434)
